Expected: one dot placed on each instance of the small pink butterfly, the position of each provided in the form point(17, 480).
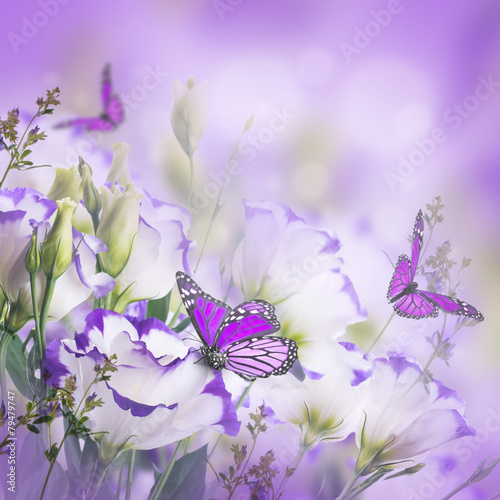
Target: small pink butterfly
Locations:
point(113, 112)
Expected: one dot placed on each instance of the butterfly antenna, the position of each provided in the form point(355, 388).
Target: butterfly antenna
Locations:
point(388, 258)
point(191, 336)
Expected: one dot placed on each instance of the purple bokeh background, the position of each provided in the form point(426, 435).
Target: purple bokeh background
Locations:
point(351, 121)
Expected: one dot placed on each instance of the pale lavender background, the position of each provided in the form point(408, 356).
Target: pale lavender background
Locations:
point(353, 121)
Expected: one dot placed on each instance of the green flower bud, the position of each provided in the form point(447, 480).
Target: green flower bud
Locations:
point(32, 259)
point(118, 227)
point(57, 248)
point(65, 185)
point(119, 171)
point(89, 193)
point(189, 113)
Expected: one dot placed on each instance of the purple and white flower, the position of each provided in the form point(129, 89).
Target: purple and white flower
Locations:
point(158, 394)
point(295, 266)
point(405, 418)
point(20, 209)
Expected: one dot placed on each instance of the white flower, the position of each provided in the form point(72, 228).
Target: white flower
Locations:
point(294, 266)
point(189, 113)
point(404, 417)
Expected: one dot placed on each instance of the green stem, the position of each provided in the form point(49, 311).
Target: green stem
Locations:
point(345, 494)
point(382, 332)
point(300, 455)
point(36, 316)
point(130, 475)
point(97, 479)
point(9, 166)
point(44, 313)
point(191, 181)
point(218, 206)
point(237, 407)
point(162, 480)
point(4, 344)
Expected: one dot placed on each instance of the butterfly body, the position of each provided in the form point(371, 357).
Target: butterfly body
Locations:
point(408, 300)
point(411, 288)
point(237, 339)
point(113, 112)
point(213, 357)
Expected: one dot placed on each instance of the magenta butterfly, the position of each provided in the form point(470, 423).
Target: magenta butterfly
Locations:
point(237, 339)
point(410, 302)
point(112, 114)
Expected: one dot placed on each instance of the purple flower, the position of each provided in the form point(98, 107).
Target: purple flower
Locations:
point(158, 394)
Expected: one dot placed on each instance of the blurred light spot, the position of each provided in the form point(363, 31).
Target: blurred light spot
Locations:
point(372, 100)
point(310, 181)
point(414, 120)
point(315, 66)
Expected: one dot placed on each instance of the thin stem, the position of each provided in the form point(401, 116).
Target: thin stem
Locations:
point(4, 344)
point(130, 475)
point(44, 313)
point(300, 455)
point(345, 494)
point(97, 479)
point(162, 480)
point(237, 407)
point(191, 181)
point(36, 316)
point(218, 206)
point(9, 166)
point(382, 332)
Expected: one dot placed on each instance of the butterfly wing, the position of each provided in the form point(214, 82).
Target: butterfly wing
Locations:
point(254, 318)
point(99, 123)
point(417, 243)
point(111, 104)
point(415, 305)
point(260, 357)
point(400, 279)
point(106, 86)
point(453, 306)
point(207, 313)
point(114, 110)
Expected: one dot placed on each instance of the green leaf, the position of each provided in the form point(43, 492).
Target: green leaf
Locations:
point(407, 472)
point(182, 325)
point(187, 479)
point(52, 453)
point(248, 124)
point(44, 419)
point(32, 428)
point(16, 366)
point(158, 308)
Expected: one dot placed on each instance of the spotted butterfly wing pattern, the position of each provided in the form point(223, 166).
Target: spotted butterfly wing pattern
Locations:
point(237, 339)
point(408, 300)
point(113, 112)
point(207, 313)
